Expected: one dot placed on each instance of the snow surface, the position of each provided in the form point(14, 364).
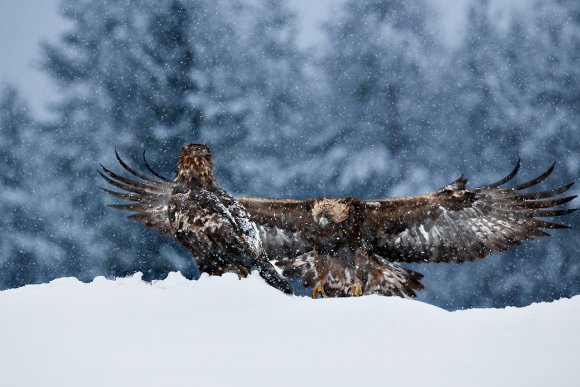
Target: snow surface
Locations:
point(227, 332)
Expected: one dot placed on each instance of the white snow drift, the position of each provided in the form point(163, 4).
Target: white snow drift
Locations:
point(226, 332)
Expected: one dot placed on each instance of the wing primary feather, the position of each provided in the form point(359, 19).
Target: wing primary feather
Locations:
point(551, 225)
point(128, 181)
point(152, 170)
point(458, 184)
point(543, 203)
point(549, 213)
point(148, 197)
point(531, 204)
point(124, 207)
point(131, 170)
point(544, 194)
point(124, 187)
point(122, 195)
point(535, 181)
point(541, 234)
point(510, 176)
point(130, 207)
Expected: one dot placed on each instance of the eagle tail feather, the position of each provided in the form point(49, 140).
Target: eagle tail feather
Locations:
point(271, 276)
point(390, 279)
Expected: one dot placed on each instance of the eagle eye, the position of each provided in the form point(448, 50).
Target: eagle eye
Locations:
point(322, 221)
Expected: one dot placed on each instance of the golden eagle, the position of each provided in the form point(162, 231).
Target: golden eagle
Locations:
point(198, 214)
point(346, 246)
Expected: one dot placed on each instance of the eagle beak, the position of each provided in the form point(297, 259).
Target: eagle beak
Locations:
point(322, 221)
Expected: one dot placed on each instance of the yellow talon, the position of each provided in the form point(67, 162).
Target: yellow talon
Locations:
point(318, 290)
point(355, 290)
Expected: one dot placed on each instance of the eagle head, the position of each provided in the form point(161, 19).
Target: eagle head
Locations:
point(195, 165)
point(325, 211)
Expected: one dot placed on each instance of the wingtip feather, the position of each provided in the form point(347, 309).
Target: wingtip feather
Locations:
point(535, 181)
point(506, 179)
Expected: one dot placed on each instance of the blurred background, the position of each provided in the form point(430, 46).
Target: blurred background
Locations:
point(296, 99)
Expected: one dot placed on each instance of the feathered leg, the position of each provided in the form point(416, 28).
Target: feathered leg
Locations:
point(321, 265)
point(390, 279)
point(312, 267)
point(360, 263)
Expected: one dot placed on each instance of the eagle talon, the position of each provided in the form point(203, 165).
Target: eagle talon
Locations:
point(318, 290)
point(355, 290)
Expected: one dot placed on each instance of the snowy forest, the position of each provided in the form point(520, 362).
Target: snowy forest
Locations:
point(383, 108)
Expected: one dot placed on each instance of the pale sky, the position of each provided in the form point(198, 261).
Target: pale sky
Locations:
point(25, 23)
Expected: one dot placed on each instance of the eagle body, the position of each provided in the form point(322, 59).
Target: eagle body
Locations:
point(340, 260)
point(193, 210)
point(217, 230)
point(337, 254)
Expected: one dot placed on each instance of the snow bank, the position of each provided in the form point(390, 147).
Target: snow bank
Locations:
point(226, 332)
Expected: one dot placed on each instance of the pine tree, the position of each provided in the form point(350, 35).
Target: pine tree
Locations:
point(378, 82)
point(26, 252)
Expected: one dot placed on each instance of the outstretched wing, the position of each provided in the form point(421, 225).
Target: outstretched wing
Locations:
point(148, 197)
point(457, 224)
point(283, 225)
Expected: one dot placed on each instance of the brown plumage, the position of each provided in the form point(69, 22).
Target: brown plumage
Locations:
point(195, 165)
point(347, 246)
point(342, 246)
point(196, 212)
point(327, 249)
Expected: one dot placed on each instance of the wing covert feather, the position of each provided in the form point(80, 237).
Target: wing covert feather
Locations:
point(283, 225)
point(286, 214)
